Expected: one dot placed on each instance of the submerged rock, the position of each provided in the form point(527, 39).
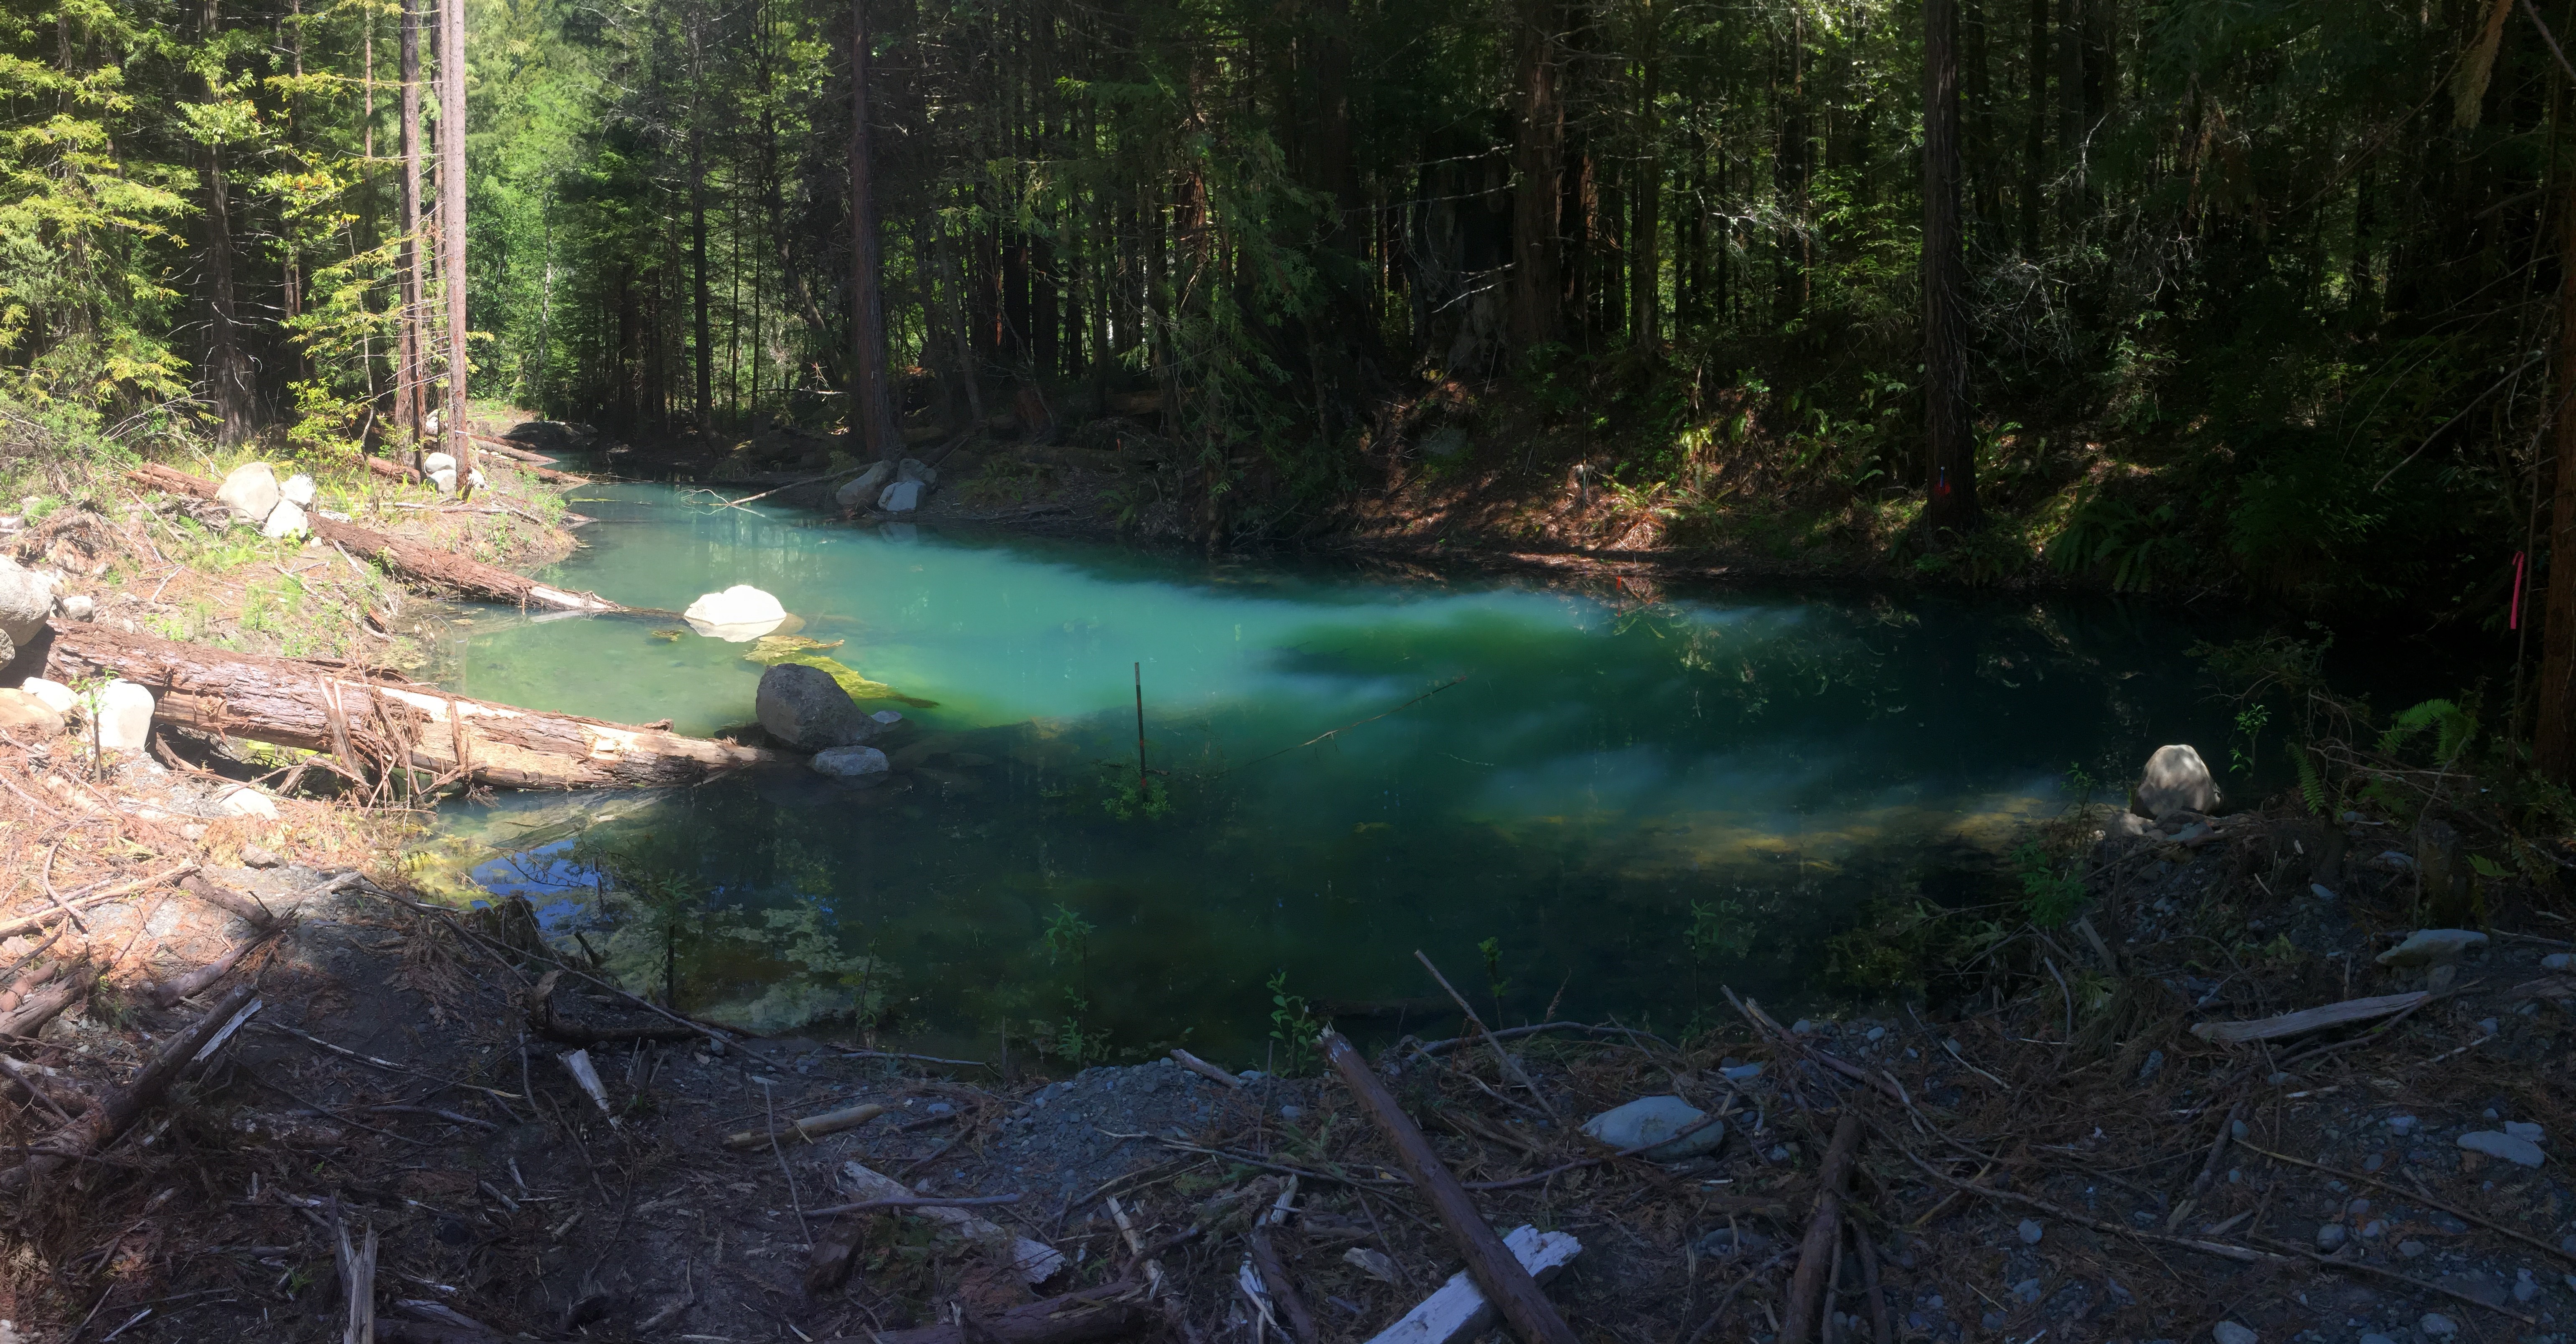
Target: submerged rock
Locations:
point(2176, 780)
point(2427, 946)
point(850, 762)
point(250, 491)
point(1650, 1118)
point(737, 615)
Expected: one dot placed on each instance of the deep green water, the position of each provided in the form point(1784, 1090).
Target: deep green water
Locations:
point(1606, 764)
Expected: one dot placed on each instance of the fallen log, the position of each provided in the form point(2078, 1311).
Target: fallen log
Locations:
point(810, 1128)
point(1497, 1271)
point(123, 1107)
point(425, 567)
point(189, 984)
point(82, 900)
point(2307, 1019)
point(1816, 1256)
point(396, 726)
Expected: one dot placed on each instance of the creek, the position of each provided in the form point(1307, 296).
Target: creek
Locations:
point(1616, 801)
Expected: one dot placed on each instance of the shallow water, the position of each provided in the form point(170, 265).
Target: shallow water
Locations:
point(1635, 800)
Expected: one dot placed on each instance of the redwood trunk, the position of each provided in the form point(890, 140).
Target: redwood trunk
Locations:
point(408, 412)
point(871, 403)
point(451, 216)
point(370, 726)
point(1953, 503)
point(2554, 740)
point(1538, 163)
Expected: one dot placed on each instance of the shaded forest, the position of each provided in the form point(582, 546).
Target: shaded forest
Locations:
point(2233, 298)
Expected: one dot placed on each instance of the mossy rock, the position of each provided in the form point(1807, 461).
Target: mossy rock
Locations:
point(771, 650)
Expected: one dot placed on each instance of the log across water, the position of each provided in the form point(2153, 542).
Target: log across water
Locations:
point(370, 725)
point(426, 566)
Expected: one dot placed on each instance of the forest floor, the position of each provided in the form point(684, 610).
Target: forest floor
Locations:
point(2047, 1145)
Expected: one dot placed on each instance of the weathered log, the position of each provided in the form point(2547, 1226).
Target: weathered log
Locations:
point(188, 984)
point(84, 899)
point(1496, 1270)
point(1283, 1290)
point(424, 566)
point(810, 1128)
point(1824, 1234)
point(123, 1107)
point(44, 998)
point(535, 464)
point(399, 726)
point(245, 908)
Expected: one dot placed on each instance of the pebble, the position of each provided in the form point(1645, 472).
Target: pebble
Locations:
point(2526, 1131)
point(2558, 961)
point(2568, 1243)
point(2027, 1290)
point(2229, 1332)
point(1877, 1033)
point(2488, 1026)
point(2357, 1206)
point(2239, 1129)
point(2512, 1149)
point(2438, 1325)
point(2402, 1124)
point(2411, 1248)
point(2377, 1339)
point(2322, 891)
point(2330, 1236)
point(2031, 1232)
point(2154, 1065)
point(2523, 1288)
point(1291, 1112)
point(2370, 1231)
point(2374, 1162)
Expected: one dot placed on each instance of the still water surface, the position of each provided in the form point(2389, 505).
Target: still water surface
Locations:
point(1636, 800)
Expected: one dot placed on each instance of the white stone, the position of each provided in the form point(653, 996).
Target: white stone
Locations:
point(298, 490)
point(850, 762)
point(445, 480)
point(2438, 1325)
point(864, 488)
point(2428, 946)
point(433, 463)
point(250, 491)
point(57, 696)
point(900, 497)
point(286, 520)
point(2229, 1332)
point(2558, 961)
point(2176, 780)
point(124, 716)
point(2524, 1129)
point(737, 615)
point(247, 802)
point(887, 717)
point(76, 606)
point(1648, 1119)
point(2520, 1151)
point(2030, 1232)
point(26, 599)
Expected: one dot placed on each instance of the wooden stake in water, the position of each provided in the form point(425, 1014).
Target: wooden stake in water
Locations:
point(1140, 731)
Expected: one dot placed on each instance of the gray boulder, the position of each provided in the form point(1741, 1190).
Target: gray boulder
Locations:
point(803, 708)
point(26, 599)
point(1650, 1118)
point(850, 762)
point(863, 488)
point(250, 491)
point(2176, 780)
point(900, 497)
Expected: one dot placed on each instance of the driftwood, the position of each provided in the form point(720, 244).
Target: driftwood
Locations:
point(1274, 1274)
point(1204, 1069)
point(397, 726)
point(2307, 1019)
point(424, 566)
point(1075, 1318)
point(122, 1108)
point(82, 900)
point(1823, 1245)
point(240, 906)
point(1495, 1268)
point(167, 993)
point(43, 997)
point(1459, 1312)
point(810, 1128)
point(1036, 1261)
point(544, 1021)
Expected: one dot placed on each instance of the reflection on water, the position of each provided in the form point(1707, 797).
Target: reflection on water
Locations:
point(1593, 769)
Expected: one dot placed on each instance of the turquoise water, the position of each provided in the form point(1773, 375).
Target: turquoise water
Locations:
point(1635, 796)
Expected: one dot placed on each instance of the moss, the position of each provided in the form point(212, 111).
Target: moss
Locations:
point(771, 650)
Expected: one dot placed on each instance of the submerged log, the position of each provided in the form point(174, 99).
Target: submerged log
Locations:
point(424, 566)
point(368, 725)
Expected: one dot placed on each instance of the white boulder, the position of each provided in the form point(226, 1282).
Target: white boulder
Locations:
point(298, 490)
point(445, 480)
point(55, 695)
point(247, 802)
point(250, 491)
point(2176, 780)
point(26, 599)
point(1650, 1118)
point(76, 606)
point(850, 762)
point(286, 520)
point(433, 463)
point(900, 497)
point(124, 712)
point(737, 615)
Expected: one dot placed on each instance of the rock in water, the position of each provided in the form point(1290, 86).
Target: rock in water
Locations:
point(2520, 1151)
point(124, 716)
point(738, 615)
point(1650, 1118)
point(2428, 946)
point(25, 716)
point(286, 520)
point(2176, 780)
point(250, 492)
point(804, 708)
point(850, 762)
point(901, 497)
point(298, 490)
point(26, 599)
point(863, 489)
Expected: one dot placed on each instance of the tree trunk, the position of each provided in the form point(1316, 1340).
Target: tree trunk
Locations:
point(385, 727)
point(2553, 747)
point(2035, 149)
point(1645, 266)
point(227, 364)
point(701, 327)
point(1953, 503)
point(451, 217)
point(1538, 160)
point(2071, 149)
point(871, 405)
